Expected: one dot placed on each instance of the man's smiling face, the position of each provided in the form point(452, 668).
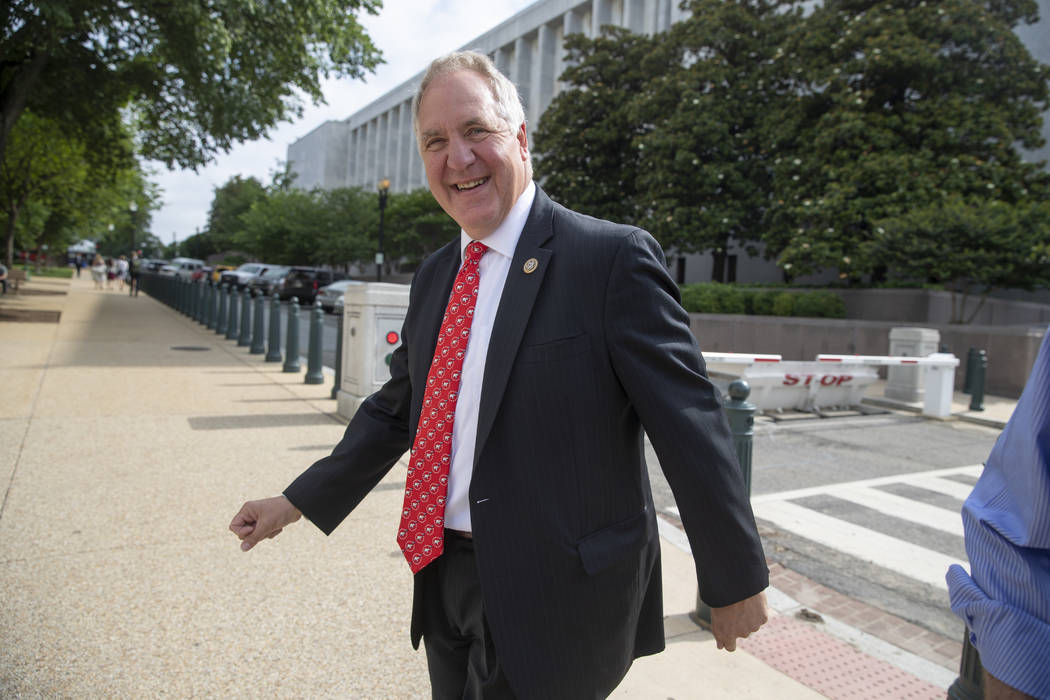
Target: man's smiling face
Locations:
point(476, 163)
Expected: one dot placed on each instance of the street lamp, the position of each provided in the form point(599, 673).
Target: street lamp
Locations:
point(384, 190)
point(133, 208)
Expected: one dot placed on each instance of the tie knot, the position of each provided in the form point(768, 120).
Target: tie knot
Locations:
point(474, 251)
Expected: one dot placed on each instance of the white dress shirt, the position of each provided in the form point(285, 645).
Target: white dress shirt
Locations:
point(495, 265)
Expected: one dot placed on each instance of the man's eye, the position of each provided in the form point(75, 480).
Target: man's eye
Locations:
point(476, 131)
point(433, 144)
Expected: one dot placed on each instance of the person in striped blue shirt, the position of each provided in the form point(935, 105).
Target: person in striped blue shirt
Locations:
point(1005, 599)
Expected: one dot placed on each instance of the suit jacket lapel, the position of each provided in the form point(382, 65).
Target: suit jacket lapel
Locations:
point(515, 308)
point(434, 307)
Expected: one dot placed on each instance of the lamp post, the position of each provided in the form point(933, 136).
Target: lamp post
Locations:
point(133, 207)
point(384, 190)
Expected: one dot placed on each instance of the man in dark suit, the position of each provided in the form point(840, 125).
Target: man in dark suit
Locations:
point(539, 573)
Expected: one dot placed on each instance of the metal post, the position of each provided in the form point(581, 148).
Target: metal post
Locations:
point(233, 323)
point(970, 683)
point(338, 354)
point(273, 350)
point(224, 300)
point(314, 373)
point(291, 350)
point(245, 338)
point(199, 297)
point(971, 360)
point(258, 327)
point(209, 305)
point(977, 388)
point(741, 415)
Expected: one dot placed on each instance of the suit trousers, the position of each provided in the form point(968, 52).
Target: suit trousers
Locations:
point(461, 657)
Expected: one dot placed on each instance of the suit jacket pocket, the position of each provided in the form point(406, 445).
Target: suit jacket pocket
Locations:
point(600, 550)
point(555, 349)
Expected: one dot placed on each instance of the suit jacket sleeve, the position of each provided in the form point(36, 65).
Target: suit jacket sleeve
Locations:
point(658, 361)
point(377, 436)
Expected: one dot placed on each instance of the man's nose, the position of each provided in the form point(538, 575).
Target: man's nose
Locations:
point(460, 154)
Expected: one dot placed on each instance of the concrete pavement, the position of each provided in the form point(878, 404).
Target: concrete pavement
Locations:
point(130, 435)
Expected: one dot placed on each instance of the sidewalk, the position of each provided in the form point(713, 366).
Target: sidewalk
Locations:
point(130, 435)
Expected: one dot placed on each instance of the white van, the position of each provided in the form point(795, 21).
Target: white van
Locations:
point(185, 267)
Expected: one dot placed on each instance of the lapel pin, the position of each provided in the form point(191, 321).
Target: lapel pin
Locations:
point(530, 265)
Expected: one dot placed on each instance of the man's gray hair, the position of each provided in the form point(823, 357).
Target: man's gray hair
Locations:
point(508, 101)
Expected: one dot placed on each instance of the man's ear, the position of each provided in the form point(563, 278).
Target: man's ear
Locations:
point(523, 142)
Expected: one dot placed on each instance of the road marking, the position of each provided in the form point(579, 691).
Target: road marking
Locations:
point(893, 553)
point(916, 562)
point(928, 480)
point(899, 507)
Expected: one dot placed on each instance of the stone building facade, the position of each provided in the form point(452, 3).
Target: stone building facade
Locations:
point(377, 142)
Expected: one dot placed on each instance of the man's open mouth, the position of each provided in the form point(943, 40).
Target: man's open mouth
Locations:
point(464, 186)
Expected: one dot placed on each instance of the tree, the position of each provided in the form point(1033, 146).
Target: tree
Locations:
point(199, 76)
point(904, 110)
point(584, 148)
point(416, 226)
point(970, 246)
point(42, 163)
point(704, 166)
point(230, 202)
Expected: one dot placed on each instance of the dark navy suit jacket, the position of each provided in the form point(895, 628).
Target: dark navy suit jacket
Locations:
point(585, 351)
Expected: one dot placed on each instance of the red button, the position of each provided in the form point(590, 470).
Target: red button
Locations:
point(392, 338)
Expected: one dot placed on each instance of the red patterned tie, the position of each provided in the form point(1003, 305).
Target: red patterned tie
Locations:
point(421, 534)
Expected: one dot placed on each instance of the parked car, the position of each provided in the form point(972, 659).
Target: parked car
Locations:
point(168, 270)
point(244, 274)
point(331, 295)
point(303, 282)
point(186, 267)
point(217, 271)
point(154, 265)
point(270, 281)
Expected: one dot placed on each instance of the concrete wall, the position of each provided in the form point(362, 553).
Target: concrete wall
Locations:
point(1011, 351)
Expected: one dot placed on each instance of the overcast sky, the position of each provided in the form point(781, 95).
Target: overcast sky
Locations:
point(409, 32)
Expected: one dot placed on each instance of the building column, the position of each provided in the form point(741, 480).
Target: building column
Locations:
point(601, 14)
point(634, 15)
point(543, 73)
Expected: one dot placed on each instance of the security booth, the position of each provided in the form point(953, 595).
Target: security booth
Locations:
point(372, 318)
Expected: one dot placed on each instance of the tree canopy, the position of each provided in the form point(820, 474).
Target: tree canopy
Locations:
point(197, 76)
point(822, 139)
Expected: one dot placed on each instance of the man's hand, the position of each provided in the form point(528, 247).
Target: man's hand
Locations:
point(738, 620)
point(264, 519)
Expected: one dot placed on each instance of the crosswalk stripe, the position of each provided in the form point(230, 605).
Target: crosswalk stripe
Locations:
point(914, 479)
point(916, 562)
point(945, 486)
point(899, 507)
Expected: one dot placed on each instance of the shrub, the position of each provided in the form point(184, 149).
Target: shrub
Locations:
point(784, 304)
point(819, 304)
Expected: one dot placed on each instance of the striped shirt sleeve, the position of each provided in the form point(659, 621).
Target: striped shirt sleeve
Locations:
point(1005, 599)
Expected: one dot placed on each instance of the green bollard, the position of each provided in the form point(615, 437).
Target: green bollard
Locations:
point(224, 303)
point(977, 389)
point(273, 351)
point(970, 683)
point(971, 360)
point(209, 306)
point(258, 326)
point(314, 373)
point(291, 351)
point(741, 415)
point(338, 356)
point(198, 304)
point(233, 324)
point(245, 339)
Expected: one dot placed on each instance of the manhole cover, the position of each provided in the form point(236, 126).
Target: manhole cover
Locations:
point(29, 315)
point(190, 348)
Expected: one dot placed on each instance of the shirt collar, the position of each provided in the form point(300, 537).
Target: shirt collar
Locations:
point(505, 238)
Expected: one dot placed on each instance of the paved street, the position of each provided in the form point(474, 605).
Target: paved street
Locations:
point(867, 505)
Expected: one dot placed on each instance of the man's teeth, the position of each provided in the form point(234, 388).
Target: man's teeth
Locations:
point(471, 185)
